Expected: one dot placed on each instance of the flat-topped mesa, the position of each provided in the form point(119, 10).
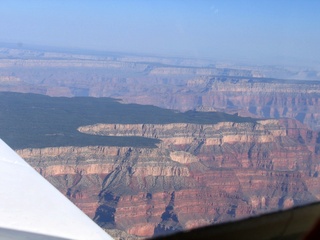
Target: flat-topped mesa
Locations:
point(212, 134)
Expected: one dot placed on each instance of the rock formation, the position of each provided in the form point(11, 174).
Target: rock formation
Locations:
point(198, 174)
point(245, 96)
point(168, 83)
point(191, 174)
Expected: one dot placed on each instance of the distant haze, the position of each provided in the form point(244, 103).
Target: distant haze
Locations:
point(267, 32)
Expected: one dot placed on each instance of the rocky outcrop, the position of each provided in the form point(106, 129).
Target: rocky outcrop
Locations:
point(215, 134)
point(198, 174)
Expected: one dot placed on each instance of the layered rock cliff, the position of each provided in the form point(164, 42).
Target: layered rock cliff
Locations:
point(190, 174)
point(198, 174)
point(266, 98)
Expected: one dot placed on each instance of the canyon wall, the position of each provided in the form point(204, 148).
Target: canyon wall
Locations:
point(260, 98)
point(198, 174)
point(248, 91)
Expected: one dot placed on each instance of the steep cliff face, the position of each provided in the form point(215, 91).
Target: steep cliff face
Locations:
point(198, 175)
point(267, 98)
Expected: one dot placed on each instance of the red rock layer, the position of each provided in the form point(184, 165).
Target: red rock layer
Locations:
point(198, 175)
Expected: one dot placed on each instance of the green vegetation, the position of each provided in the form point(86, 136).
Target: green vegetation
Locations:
point(32, 120)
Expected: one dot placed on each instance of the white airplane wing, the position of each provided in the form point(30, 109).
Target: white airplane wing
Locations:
point(31, 208)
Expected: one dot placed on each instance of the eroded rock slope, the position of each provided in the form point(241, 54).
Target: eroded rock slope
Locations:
point(199, 174)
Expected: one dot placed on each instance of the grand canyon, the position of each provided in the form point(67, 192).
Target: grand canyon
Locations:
point(220, 143)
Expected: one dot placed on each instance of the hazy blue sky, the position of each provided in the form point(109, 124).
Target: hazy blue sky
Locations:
point(261, 30)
